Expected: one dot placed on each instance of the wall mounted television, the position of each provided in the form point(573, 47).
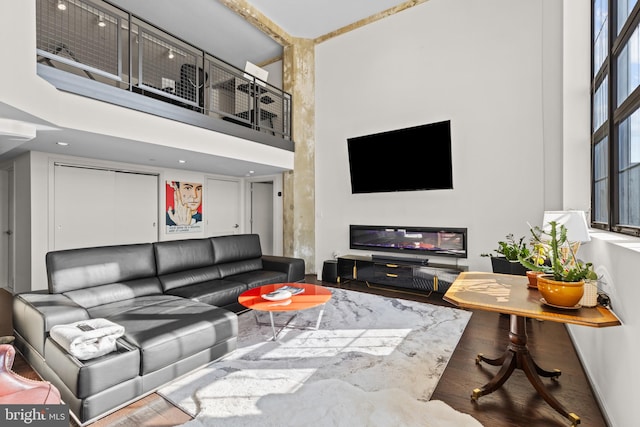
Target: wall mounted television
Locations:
point(410, 159)
point(436, 241)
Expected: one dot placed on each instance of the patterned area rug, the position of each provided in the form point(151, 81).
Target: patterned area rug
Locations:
point(374, 361)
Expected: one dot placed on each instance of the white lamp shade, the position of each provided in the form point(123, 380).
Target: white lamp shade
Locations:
point(574, 221)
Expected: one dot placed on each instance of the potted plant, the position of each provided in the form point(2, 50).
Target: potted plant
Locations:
point(562, 281)
point(509, 253)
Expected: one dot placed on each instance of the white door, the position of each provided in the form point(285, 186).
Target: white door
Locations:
point(6, 229)
point(222, 207)
point(83, 208)
point(95, 207)
point(138, 223)
point(262, 214)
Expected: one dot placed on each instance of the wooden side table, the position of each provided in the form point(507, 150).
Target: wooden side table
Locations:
point(509, 294)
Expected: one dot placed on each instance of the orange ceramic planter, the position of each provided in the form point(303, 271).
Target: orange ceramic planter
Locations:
point(533, 278)
point(563, 294)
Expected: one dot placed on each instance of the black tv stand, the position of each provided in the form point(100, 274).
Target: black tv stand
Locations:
point(399, 259)
point(397, 273)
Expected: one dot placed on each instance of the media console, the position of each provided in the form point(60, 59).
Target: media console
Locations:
point(406, 273)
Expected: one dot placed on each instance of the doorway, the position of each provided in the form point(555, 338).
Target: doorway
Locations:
point(264, 214)
point(6, 229)
point(261, 219)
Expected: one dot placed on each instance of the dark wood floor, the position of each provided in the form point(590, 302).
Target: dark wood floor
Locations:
point(515, 404)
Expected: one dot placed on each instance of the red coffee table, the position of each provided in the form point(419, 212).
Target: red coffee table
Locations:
point(313, 296)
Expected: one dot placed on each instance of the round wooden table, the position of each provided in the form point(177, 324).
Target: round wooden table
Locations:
point(313, 296)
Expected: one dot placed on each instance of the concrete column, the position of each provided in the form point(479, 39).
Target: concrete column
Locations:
point(299, 185)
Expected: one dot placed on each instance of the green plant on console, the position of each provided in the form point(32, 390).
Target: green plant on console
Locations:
point(553, 245)
point(512, 249)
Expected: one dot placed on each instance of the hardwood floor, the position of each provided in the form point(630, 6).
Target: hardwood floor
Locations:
point(515, 404)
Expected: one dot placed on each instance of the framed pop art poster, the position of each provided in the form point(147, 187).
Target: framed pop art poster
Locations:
point(183, 207)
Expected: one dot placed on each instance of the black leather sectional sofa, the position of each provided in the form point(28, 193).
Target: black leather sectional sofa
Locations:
point(177, 301)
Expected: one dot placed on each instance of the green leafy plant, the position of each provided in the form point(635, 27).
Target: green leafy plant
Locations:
point(554, 247)
point(512, 249)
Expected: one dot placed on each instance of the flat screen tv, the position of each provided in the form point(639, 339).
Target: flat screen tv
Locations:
point(437, 241)
point(410, 159)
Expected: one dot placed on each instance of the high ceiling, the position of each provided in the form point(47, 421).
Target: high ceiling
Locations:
point(213, 27)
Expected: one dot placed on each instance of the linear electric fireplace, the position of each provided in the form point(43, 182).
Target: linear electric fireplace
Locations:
point(422, 241)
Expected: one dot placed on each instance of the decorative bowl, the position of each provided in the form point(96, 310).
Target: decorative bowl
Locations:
point(561, 294)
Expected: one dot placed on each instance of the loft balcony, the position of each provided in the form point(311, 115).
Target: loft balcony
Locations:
point(97, 50)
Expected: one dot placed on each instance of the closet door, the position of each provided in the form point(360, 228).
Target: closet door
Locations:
point(136, 208)
point(222, 207)
point(96, 207)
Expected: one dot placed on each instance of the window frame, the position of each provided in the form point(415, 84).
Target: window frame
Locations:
point(615, 114)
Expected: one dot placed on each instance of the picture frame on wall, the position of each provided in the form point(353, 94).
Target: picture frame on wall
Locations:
point(183, 207)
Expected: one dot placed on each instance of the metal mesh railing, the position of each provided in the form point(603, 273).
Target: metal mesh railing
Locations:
point(96, 40)
point(169, 70)
point(81, 35)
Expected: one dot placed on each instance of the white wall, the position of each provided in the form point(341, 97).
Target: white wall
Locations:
point(610, 355)
point(490, 67)
point(486, 66)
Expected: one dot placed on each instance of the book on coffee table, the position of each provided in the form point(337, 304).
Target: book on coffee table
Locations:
point(295, 290)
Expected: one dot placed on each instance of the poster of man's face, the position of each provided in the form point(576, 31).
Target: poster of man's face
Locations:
point(184, 206)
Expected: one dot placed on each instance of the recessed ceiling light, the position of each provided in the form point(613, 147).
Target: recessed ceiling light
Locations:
point(62, 5)
point(64, 144)
point(182, 161)
point(251, 172)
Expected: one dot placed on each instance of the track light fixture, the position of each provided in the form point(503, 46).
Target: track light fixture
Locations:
point(101, 22)
point(62, 5)
point(171, 55)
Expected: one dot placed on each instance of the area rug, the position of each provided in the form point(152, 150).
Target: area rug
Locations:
point(374, 361)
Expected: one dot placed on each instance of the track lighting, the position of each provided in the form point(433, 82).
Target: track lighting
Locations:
point(62, 5)
point(171, 55)
point(101, 22)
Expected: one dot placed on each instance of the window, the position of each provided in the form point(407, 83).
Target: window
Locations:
point(615, 140)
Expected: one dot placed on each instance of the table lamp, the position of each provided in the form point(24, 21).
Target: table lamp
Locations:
point(575, 223)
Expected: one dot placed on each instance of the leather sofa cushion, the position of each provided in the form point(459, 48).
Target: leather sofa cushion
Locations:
point(237, 247)
point(114, 292)
point(233, 268)
point(189, 277)
point(73, 269)
point(180, 255)
point(168, 328)
point(257, 278)
point(219, 292)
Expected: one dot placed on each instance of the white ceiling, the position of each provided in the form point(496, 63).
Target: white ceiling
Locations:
point(210, 26)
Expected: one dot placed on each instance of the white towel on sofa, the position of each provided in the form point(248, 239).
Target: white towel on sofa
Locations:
point(88, 339)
